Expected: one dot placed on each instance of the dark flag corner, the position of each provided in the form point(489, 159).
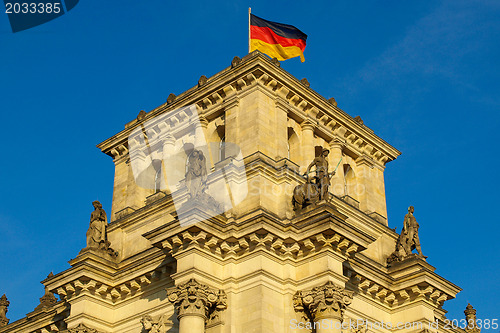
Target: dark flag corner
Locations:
point(278, 40)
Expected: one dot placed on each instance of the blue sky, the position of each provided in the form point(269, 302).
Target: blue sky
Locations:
point(424, 75)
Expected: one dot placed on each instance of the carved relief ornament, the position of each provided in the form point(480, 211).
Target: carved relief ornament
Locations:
point(196, 299)
point(327, 301)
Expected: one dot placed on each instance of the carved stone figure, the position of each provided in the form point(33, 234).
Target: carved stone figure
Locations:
point(4, 304)
point(410, 228)
point(305, 195)
point(97, 238)
point(408, 239)
point(154, 326)
point(322, 177)
point(196, 174)
point(97, 229)
point(312, 192)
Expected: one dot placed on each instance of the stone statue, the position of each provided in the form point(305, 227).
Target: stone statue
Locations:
point(97, 229)
point(322, 178)
point(408, 239)
point(196, 174)
point(4, 304)
point(312, 192)
point(97, 238)
point(197, 187)
point(410, 229)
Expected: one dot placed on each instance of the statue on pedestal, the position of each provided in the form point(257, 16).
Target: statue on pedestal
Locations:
point(408, 239)
point(312, 192)
point(196, 174)
point(196, 183)
point(97, 229)
point(97, 238)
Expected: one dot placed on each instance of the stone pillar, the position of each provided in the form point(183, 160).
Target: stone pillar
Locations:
point(195, 304)
point(4, 304)
point(281, 128)
point(324, 306)
point(337, 181)
point(201, 137)
point(307, 143)
point(200, 132)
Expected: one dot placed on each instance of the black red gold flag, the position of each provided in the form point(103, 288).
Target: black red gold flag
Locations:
point(278, 40)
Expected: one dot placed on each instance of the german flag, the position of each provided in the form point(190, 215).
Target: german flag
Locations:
point(278, 40)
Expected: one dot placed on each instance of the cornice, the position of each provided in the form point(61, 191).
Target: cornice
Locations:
point(380, 284)
point(256, 69)
point(47, 320)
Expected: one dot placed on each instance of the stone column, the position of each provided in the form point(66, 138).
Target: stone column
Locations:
point(337, 181)
point(196, 304)
point(201, 140)
point(307, 143)
point(324, 306)
point(168, 150)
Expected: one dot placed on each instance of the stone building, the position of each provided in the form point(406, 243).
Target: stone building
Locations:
point(203, 235)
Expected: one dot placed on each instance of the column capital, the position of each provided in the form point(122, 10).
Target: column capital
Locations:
point(195, 299)
point(336, 143)
point(203, 121)
point(308, 124)
point(282, 104)
point(326, 301)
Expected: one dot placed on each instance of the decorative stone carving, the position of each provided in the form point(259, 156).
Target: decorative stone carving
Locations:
point(332, 101)
point(305, 82)
point(470, 317)
point(311, 193)
point(171, 98)
point(160, 325)
point(4, 304)
point(235, 62)
point(81, 328)
point(193, 298)
point(276, 62)
point(408, 240)
point(47, 300)
point(327, 301)
point(97, 237)
point(196, 183)
point(141, 115)
point(196, 174)
point(203, 79)
point(359, 120)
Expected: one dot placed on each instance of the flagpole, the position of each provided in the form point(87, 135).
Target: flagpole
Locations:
point(249, 12)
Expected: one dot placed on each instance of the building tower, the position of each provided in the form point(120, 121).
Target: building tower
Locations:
point(203, 235)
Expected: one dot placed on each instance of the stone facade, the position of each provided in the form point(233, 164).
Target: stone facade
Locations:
point(258, 265)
